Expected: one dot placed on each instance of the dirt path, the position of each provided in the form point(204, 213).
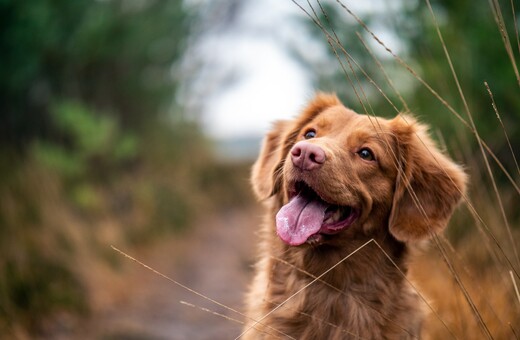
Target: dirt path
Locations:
point(214, 259)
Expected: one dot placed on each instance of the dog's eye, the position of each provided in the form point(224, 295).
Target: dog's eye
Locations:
point(366, 154)
point(311, 133)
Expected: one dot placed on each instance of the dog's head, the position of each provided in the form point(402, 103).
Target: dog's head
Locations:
point(333, 172)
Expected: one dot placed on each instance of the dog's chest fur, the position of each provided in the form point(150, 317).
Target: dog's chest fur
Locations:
point(364, 297)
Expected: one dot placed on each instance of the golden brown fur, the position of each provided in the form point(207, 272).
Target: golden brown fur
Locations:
point(405, 195)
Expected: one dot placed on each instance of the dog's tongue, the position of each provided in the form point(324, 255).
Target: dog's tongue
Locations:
point(299, 219)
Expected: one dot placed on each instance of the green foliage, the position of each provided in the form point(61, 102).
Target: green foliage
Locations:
point(115, 55)
point(58, 159)
point(93, 148)
point(89, 140)
point(83, 86)
point(38, 276)
point(479, 55)
point(349, 68)
point(477, 51)
point(338, 71)
point(36, 287)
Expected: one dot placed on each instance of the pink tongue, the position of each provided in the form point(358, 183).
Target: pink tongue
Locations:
point(299, 219)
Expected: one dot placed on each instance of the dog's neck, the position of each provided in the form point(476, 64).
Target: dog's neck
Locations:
point(365, 259)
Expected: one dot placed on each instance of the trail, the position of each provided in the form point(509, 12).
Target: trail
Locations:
point(214, 258)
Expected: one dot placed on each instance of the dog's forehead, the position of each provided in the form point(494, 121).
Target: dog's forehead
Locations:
point(342, 118)
point(334, 117)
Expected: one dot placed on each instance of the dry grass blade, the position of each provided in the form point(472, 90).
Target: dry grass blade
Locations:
point(501, 166)
point(338, 45)
point(189, 289)
point(491, 235)
point(416, 290)
point(303, 288)
point(503, 127)
point(349, 58)
point(474, 128)
point(467, 296)
point(468, 273)
point(499, 19)
point(359, 301)
point(514, 285)
point(207, 310)
point(463, 288)
point(173, 281)
point(433, 92)
point(513, 331)
point(356, 336)
point(385, 74)
point(516, 26)
point(495, 188)
point(332, 41)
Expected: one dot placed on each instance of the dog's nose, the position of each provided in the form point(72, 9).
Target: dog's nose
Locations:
point(307, 156)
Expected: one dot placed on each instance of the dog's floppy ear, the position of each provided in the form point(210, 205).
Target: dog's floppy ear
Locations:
point(271, 155)
point(428, 187)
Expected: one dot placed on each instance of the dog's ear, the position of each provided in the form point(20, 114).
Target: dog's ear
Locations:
point(263, 175)
point(266, 173)
point(428, 186)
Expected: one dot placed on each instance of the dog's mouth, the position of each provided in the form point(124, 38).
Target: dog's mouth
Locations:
point(307, 217)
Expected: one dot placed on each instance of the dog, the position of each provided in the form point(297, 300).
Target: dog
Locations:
point(347, 196)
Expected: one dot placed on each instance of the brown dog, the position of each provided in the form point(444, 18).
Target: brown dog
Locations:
point(337, 183)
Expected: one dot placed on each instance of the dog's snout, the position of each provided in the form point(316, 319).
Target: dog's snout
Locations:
point(307, 156)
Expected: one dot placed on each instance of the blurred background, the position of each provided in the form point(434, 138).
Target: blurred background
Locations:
point(133, 123)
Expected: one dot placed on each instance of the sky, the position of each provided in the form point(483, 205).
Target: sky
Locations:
point(266, 82)
point(249, 78)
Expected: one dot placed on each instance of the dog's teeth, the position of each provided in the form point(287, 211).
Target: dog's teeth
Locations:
point(333, 218)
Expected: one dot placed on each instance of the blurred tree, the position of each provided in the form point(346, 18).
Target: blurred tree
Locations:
point(83, 84)
point(473, 39)
point(348, 67)
point(114, 55)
